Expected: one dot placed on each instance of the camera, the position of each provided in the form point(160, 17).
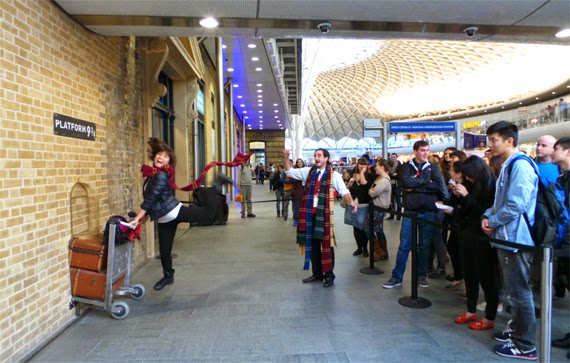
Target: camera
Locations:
point(324, 27)
point(470, 31)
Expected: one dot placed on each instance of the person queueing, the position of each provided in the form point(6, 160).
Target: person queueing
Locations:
point(297, 192)
point(359, 185)
point(160, 204)
point(381, 193)
point(315, 230)
point(476, 193)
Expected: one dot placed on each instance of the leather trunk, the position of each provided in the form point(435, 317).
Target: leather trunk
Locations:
point(91, 284)
point(88, 254)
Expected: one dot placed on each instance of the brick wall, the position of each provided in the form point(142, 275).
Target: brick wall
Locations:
point(274, 144)
point(49, 64)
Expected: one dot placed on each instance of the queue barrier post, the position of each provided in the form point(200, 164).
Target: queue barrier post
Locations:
point(546, 304)
point(414, 301)
point(371, 270)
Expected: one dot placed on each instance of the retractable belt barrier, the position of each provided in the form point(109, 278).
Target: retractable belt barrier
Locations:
point(414, 301)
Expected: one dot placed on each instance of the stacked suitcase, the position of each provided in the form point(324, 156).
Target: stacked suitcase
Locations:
point(100, 267)
point(88, 263)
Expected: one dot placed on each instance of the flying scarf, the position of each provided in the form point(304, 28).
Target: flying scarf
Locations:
point(148, 170)
point(319, 227)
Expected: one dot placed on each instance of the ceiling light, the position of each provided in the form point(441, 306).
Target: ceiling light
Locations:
point(260, 116)
point(258, 69)
point(255, 59)
point(276, 116)
point(259, 96)
point(239, 96)
point(520, 103)
point(230, 69)
point(260, 104)
point(537, 98)
point(246, 117)
point(275, 111)
point(251, 46)
point(236, 85)
point(224, 46)
point(242, 105)
point(553, 92)
point(260, 111)
point(274, 104)
point(244, 111)
point(259, 91)
point(209, 22)
point(563, 33)
point(259, 85)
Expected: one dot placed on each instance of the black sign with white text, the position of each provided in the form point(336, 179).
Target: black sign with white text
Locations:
point(73, 127)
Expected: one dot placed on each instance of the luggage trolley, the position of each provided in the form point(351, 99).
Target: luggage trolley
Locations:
point(118, 269)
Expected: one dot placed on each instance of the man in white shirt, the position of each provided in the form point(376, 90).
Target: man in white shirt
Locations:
point(315, 230)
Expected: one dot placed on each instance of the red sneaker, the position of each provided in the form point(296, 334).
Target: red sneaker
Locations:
point(465, 319)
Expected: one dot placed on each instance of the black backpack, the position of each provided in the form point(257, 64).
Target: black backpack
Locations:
point(550, 213)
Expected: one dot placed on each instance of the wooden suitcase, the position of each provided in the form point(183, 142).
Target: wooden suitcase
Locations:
point(91, 284)
point(88, 253)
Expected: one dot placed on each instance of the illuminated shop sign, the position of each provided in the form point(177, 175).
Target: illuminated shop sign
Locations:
point(469, 125)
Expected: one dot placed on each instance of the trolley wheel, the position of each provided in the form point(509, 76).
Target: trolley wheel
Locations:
point(120, 310)
point(138, 292)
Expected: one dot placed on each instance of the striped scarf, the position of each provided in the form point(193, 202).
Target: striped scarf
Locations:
point(319, 227)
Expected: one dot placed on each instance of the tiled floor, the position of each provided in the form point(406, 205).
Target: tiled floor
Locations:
point(238, 297)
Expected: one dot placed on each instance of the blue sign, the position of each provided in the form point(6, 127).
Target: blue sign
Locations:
point(412, 127)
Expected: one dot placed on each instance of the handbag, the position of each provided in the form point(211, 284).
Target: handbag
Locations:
point(356, 219)
point(239, 198)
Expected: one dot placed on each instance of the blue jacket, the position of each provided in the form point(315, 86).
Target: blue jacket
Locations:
point(515, 195)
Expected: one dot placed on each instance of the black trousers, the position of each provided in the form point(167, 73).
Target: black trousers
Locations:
point(361, 238)
point(316, 261)
point(456, 255)
point(481, 266)
point(167, 231)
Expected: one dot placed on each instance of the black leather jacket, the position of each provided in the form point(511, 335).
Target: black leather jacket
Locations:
point(158, 196)
point(422, 187)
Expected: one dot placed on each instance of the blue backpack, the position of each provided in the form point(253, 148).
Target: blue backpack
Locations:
point(551, 216)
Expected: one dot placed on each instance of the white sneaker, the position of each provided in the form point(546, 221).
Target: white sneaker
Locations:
point(483, 305)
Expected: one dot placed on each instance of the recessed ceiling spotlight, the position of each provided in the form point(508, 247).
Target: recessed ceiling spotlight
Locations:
point(520, 103)
point(242, 105)
point(260, 116)
point(258, 69)
point(276, 111)
point(485, 111)
point(244, 111)
point(239, 96)
point(553, 92)
point(236, 85)
point(260, 104)
point(503, 107)
point(274, 104)
point(259, 96)
point(259, 91)
point(251, 46)
point(563, 33)
point(246, 117)
point(260, 121)
point(224, 46)
point(230, 69)
point(276, 116)
point(259, 85)
point(260, 111)
point(209, 22)
point(255, 59)
point(537, 98)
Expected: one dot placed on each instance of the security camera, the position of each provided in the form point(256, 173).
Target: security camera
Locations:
point(324, 27)
point(470, 31)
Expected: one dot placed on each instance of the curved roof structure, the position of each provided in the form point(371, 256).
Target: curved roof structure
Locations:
point(402, 79)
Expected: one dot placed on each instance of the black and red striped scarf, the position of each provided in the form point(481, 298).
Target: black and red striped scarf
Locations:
point(318, 225)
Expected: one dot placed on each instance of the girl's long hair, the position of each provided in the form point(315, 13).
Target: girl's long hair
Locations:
point(483, 185)
point(156, 146)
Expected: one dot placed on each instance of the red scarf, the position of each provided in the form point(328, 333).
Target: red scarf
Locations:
point(148, 170)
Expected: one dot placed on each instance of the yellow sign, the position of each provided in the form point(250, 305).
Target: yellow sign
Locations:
point(469, 125)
